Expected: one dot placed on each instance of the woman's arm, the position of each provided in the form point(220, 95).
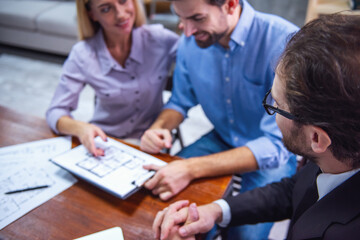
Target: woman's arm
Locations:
point(86, 133)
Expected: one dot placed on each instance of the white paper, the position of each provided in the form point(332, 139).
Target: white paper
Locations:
point(27, 165)
point(41, 148)
point(34, 151)
point(119, 172)
point(114, 233)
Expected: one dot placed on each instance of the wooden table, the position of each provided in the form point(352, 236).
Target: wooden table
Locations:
point(83, 209)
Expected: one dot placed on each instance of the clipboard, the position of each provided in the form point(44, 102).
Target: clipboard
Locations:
point(119, 172)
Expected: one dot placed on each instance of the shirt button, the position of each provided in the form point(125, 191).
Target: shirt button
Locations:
point(227, 55)
point(231, 121)
point(236, 139)
point(227, 79)
point(242, 43)
point(132, 77)
point(228, 101)
point(136, 92)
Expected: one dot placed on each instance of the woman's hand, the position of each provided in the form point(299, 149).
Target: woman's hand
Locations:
point(86, 132)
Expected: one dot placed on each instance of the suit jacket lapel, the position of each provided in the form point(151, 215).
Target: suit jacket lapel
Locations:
point(310, 197)
point(305, 191)
point(340, 206)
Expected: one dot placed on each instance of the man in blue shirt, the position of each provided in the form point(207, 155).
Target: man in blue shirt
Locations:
point(225, 63)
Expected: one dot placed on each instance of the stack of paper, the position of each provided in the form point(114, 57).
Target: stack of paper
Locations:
point(26, 166)
point(114, 233)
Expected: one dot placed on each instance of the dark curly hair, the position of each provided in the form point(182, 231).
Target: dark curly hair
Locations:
point(321, 70)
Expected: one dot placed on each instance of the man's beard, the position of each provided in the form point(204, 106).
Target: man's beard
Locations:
point(212, 39)
point(295, 142)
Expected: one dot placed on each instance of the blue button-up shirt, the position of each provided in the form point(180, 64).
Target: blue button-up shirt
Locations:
point(129, 97)
point(230, 84)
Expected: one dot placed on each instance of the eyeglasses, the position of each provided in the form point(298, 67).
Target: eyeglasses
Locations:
point(271, 110)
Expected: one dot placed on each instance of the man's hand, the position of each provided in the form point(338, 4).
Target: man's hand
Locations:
point(192, 216)
point(86, 134)
point(166, 220)
point(206, 215)
point(169, 218)
point(194, 220)
point(154, 140)
point(169, 180)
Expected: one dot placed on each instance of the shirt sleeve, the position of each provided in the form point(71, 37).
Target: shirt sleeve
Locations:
point(226, 212)
point(268, 149)
point(167, 40)
point(172, 41)
point(66, 97)
point(183, 96)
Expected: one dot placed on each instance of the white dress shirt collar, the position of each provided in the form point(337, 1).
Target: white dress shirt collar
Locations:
point(326, 182)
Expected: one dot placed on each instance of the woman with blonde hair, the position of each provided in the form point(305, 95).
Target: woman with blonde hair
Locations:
point(125, 61)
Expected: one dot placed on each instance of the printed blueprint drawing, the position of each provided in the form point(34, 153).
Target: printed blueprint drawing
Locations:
point(118, 172)
point(25, 166)
point(114, 158)
point(21, 179)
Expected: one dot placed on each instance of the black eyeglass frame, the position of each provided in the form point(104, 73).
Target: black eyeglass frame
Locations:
point(275, 109)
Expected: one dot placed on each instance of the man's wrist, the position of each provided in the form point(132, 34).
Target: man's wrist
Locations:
point(193, 168)
point(217, 212)
point(225, 218)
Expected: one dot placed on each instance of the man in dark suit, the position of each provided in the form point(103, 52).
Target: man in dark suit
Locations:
point(316, 95)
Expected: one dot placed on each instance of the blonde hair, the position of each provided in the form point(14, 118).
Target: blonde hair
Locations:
point(87, 27)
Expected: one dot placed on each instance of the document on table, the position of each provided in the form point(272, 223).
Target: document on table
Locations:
point(118, 172)
point(25, 166)
point(114, 233)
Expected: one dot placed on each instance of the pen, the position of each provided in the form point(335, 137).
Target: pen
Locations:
point(27, 189)
point(140, 181)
